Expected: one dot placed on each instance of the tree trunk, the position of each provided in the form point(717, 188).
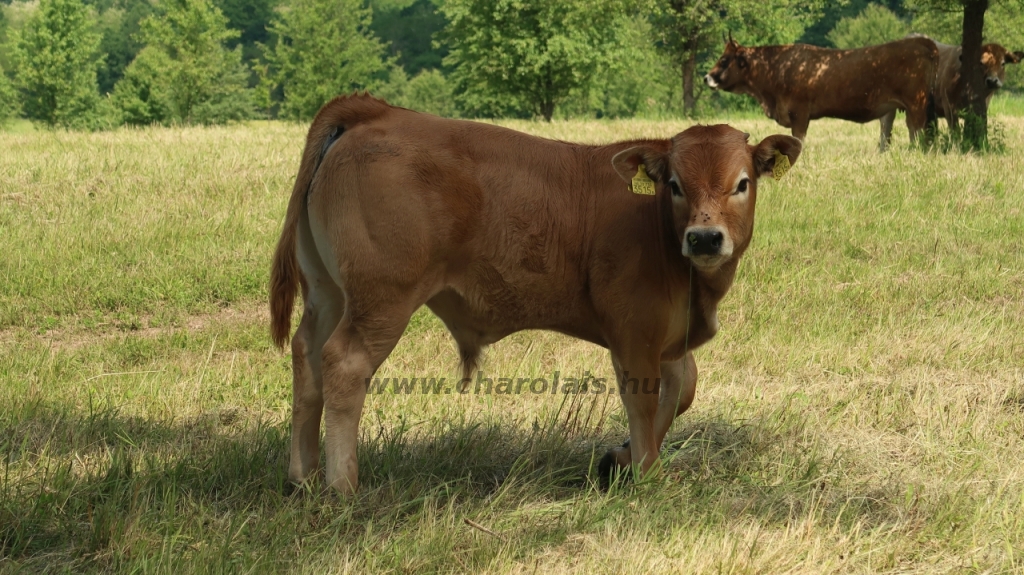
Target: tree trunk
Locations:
point(689, 69)
point(547, 99)
point(972, 74)
point(547, 109)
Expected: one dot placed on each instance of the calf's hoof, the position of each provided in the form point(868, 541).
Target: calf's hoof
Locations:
point(614, 462)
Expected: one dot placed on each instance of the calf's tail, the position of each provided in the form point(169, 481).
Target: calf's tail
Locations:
point(330, 123)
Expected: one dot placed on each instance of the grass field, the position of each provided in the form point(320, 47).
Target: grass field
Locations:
point(861, 410)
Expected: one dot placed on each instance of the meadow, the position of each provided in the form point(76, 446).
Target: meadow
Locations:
point(860, 411)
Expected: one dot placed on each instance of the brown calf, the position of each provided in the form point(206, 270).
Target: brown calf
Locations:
point(497, 231)
point(797, 83)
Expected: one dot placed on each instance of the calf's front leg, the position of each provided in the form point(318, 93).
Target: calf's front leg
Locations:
point(639, 384)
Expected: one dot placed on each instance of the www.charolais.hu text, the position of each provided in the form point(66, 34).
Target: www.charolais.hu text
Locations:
point(487, 385)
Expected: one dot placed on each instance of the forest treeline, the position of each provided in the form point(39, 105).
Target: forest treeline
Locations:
point(93, 64)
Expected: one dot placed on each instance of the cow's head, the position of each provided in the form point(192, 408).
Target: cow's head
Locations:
point(731, 69)
point(994, 59)
point(710, 174)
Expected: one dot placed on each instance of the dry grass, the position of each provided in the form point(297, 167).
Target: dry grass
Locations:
point(860, 411)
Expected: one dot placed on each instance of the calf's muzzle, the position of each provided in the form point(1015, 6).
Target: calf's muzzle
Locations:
point(704, 242)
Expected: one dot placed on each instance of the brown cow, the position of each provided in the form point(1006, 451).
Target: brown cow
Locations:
point(797, 83)
point(497, 231)
point(948, 86)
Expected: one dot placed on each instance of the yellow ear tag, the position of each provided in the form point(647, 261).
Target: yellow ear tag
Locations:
point(782, 165)
point(642, 184)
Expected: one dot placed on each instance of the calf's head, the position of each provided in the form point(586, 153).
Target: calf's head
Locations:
point(994, 59)
point(731, 69)
point(710, 174)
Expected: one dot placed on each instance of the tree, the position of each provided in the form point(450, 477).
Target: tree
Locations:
point(324, 48)
point(686, 29)
point(634, 79)
point(55, 58)
point(142, 95)
point(875, 25)
point(525, 56)
point(203, 81)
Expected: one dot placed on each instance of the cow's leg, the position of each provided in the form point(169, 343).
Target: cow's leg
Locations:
point(800, 122)
point(886, 122)
point(917, 119)
point(320, 316)
point(351, 356)
point(678, 387)
point(639, 384)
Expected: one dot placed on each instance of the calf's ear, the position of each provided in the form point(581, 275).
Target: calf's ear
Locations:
point(1013, 57)
point(653, 155)
point(764, 152)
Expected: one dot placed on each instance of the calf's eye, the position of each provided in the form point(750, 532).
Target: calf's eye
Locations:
point(742, 186)
point(675, 188)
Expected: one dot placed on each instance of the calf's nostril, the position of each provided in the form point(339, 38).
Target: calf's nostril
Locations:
point(716, 239)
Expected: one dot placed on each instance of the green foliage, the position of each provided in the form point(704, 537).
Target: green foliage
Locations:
point(701, 24)
point(143, 95)
point(14, 18)
point(120, 26)
point(636, 80)
point(408, 29)
point(196, 77)
point(55, 62)
point(524, 57)
point(324, 48)
point(428, 91)
point(10, 103)
point(875, 25)
point(250, 19)
point(835, 10)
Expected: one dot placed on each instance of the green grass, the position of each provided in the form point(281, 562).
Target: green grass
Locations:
point(1006, 103)
point(860, 411)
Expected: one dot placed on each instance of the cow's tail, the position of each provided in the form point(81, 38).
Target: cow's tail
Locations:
point(330, 123)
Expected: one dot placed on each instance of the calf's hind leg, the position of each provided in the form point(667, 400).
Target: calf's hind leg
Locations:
point(351, 356)
point(319, 318)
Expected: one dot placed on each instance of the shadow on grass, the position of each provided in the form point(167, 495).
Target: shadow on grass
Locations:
point(100, 487)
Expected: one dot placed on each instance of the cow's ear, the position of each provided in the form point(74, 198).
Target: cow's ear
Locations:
point(765, 153)
point(653, 155)
point(1013, 57)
